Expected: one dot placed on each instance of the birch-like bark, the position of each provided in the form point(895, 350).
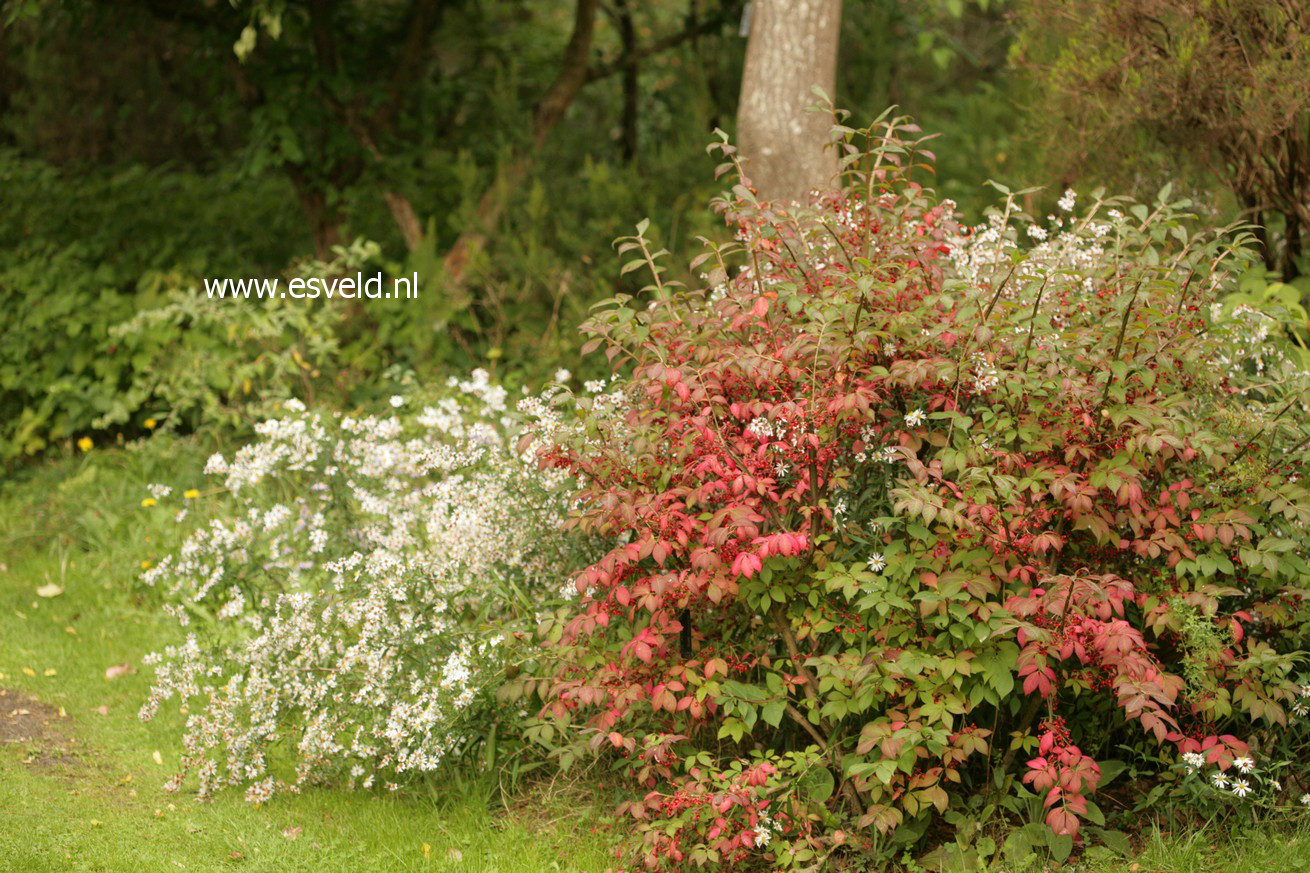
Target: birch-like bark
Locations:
point(792, 47)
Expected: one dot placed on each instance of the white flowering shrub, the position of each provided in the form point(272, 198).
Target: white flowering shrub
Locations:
point(347, 614)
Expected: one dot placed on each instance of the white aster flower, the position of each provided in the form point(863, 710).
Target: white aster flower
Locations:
point(1219, 780)
point(877, 563)
point(1241, 788)
point(1245, 764)
point(915, 418)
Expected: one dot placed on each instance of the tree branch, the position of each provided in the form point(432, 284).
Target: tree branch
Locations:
point(423, 19)
point(694, 28)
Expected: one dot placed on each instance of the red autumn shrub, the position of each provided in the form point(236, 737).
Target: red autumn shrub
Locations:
point(891, 492)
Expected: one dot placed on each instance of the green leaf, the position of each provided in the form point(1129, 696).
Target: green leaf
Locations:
point(819, 784)
point(1061, 845)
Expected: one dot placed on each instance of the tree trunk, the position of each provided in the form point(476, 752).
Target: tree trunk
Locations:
point(324, 218)
point(628, 38)
point(792, 48)
point(573, 74)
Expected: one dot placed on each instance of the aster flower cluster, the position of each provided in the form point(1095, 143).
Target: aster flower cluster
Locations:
point(346, 610)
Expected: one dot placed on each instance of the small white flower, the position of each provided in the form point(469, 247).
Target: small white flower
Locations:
point(1067, 201)
point(1195, 760)
point(1036, 231)
point(1245, 764)
point(1305, 799)
point(877, 563)
point(1219, 780)
point(594, 386)
point(397, 401)
point(915, 418)
point(1241, 788)
point(562, 375)
point(1278, 786)
point(762, 837)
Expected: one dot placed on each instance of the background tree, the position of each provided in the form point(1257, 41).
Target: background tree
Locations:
point(792, 49)
point(1180, 88)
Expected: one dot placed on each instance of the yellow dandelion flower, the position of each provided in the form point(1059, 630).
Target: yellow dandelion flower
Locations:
point(146, 564)
point(149, 502)
point(85, 444)
point(191, 493)
point(151, 424)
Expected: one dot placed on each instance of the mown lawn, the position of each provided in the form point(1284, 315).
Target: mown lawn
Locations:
point(81, 776)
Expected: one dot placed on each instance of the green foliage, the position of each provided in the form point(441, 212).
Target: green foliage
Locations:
point(89, 254)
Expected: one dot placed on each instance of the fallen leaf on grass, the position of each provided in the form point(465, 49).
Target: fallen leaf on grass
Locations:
point(51, 671)
point(102, 709)
point(49, 590)
point(291, 833)
point(28, 671)
point(159, 759)
point(455, 855)
point(117, 670)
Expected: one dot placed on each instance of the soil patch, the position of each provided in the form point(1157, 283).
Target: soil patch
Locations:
point(27, 721)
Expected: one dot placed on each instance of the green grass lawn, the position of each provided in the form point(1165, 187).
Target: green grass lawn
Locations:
point(81, 776)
